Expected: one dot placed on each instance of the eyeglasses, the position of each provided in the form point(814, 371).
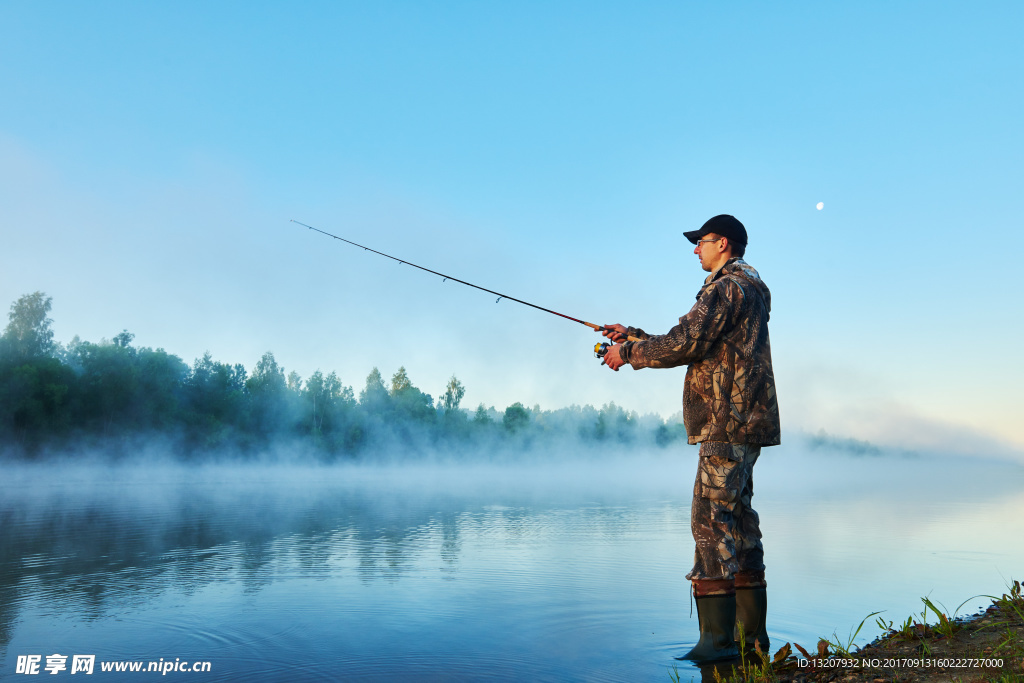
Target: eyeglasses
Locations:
point(719, 239)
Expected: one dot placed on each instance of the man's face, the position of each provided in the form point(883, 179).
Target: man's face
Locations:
point(708, 251)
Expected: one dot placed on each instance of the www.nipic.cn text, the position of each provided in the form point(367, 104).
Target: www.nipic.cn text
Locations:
point(86, 664)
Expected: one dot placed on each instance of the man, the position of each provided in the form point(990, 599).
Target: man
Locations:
point(730, 409)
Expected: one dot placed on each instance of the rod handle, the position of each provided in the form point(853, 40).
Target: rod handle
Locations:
point(599, 328)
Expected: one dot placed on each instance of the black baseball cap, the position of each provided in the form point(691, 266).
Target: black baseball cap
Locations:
point(722, 224)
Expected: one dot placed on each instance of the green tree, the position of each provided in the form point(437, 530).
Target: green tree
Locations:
point(334, 387)
point(481, 416)
point(400, 382)
point(614, 421)
point(516, 417)
point(34, 384)
point(338, 392)
point(109, 385)
point(28, 333)
point(666, 434)
point(453, 394)
point(374, 393)
point(318, 401)
point(160, 388)
point(123, 339)
point(267, 388)
point(327, 403)
point(216, 400)
point(33, 400)
point(314, 392)
point(410, 402)
point(267, 377)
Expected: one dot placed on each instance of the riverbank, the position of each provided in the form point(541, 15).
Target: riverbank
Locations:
point(929, 647)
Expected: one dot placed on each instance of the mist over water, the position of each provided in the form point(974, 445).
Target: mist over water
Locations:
point(568, 566)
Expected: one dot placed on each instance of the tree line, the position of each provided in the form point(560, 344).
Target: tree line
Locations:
point(54, 396)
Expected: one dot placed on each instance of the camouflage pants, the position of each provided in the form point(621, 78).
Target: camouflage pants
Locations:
point(726, 529)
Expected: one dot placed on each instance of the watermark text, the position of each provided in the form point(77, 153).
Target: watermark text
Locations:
point(56, 663)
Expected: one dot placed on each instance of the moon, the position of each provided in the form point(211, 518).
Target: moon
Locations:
point(819, 206)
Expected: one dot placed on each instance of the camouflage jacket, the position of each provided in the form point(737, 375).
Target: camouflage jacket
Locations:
point(729, 395)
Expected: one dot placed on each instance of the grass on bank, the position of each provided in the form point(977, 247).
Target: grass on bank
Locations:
point(997, 633)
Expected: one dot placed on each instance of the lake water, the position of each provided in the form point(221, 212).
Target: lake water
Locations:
point(555, 570)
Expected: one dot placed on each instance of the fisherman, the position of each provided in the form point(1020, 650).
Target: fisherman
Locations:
point(730, 409)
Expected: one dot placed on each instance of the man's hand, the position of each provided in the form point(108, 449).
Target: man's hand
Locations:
point(612, 358)
point(616, 333)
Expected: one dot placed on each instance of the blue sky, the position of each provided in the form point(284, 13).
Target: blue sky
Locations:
point(152, 155)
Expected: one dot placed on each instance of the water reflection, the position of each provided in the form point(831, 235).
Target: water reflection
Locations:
point(570, 572)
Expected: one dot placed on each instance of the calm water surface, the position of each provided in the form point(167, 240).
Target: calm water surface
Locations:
point(560, 571)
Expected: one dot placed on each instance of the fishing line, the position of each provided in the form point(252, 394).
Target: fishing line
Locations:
point(500, 296)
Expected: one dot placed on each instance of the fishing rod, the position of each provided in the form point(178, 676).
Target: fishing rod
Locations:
point(599, 349)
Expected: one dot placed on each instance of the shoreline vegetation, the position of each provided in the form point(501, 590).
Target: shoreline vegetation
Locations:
point(121, 398)
point(928, 647)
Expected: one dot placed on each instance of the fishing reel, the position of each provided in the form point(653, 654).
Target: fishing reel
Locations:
point(601, 348)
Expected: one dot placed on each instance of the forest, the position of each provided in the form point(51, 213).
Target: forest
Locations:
point(113, 396)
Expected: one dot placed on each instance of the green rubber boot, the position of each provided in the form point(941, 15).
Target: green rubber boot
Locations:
point(751, 612)
point(717, 617)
